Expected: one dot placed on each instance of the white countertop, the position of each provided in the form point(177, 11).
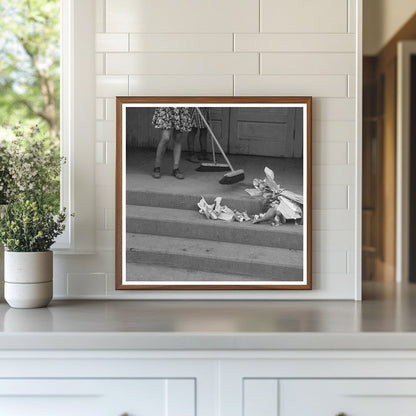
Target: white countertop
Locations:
point(384, 320)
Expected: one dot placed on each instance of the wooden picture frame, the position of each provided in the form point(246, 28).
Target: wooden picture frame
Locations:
point(163, 242)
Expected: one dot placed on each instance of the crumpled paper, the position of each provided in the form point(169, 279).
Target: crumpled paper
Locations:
point(216, 211)
point(283, 204)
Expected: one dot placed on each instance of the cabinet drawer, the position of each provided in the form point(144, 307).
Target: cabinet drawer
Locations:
point(348, 397)
point(86, 397)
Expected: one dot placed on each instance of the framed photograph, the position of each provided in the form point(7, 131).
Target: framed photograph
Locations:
point(213, 193)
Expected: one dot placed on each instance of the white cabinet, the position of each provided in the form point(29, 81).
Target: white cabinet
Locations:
point(348, 397)
point(86, 397)
point(207, 383)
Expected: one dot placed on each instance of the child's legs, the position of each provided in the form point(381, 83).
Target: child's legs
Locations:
point(161, 147)
point(203, 140)
point(177, 148)
point(191, 140)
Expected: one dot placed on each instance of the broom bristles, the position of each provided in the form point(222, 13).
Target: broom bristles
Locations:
point(232, 177)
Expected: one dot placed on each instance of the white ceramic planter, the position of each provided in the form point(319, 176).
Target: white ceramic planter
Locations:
point(28, 279)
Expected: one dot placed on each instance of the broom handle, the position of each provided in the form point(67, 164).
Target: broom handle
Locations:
point(215, 139)
point(214, 158)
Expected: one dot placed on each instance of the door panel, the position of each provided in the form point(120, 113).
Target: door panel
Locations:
point(263, 131)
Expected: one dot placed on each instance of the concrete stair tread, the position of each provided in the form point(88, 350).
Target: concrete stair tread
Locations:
point(193, 216)
point(188, 200)
point(229, 252)
point(150, 272)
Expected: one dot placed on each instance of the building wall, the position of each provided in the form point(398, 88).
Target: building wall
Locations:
point(233, 47)
point(381, 20)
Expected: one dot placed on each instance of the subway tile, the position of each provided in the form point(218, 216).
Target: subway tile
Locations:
point(104, 196)
point(100, 152)
point(333, 219)
point(99, 109)
point(329, 262)
point(179, 16)
point(111, 86)
point(182, 63)
point(333, 240)
point(294, 42)
point(330, 153)
point(340, 109)
point(310, 85)
point(105, 239)
point(99, 63)
point(105, 175)
point(332, 130)
point(86, 284)
point(181, 42)
point(110, 218)
point(330, 197)
point(307, 63)
point(100, 218)
point(352, 16)
point(181, 85)
point(100, 15)
point(110, 153)
point(300, 16)
point(110, 109)
point(112, 42)
point(333, 175)
point(105, 131)
point(351, 262)
point(351, 86)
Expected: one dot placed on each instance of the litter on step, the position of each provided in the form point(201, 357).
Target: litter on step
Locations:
point(282, 204)
point(216, 211)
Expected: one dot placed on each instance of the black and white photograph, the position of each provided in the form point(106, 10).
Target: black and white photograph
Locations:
point(213, 193)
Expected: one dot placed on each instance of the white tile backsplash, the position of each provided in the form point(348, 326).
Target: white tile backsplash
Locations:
point(313, 85)
point(111, 86)
point(161, 47)
point(307, 63)
point(294, 42)
point(300, 16)
point(181, 42)
point(182, 63)
point(181, 85)
point(112, 42)
point(182, 16)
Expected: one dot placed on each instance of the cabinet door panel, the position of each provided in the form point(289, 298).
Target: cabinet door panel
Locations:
point(132, 397)
point(349, 397)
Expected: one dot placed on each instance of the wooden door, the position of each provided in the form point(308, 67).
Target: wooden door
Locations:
point(266, 131)
point(220, 123)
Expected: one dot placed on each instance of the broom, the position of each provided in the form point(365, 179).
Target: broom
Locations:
point(229, 178)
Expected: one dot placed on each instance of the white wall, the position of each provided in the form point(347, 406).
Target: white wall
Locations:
point(381, 20)
point(233, 47)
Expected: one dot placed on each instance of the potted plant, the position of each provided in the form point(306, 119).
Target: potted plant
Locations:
point(32, 220)
point(28, 229)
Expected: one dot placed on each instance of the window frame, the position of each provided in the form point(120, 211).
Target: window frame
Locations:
point(77, 102)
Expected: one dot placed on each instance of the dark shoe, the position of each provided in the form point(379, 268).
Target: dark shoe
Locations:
point(156, 173)
point(177, 174)
point(193, 158)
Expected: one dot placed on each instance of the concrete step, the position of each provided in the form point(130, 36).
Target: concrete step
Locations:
point(182, 200)
point(190, 224)
point(275, 264)
point(157, 273)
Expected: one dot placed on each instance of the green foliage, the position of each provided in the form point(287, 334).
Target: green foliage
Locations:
point(5, 176)
point(30, 63)
point(30, 165)
point(30, 225)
